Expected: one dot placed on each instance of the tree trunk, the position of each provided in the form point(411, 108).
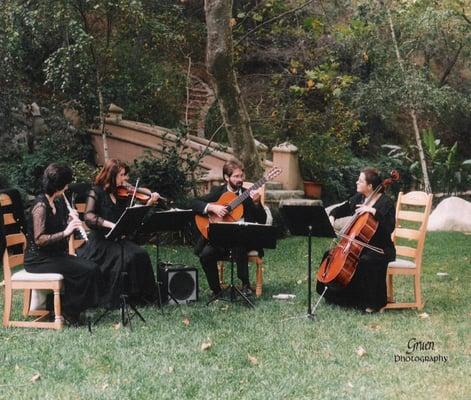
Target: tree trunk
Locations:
point(412, 113)
point(102, 110)
point(219, 60)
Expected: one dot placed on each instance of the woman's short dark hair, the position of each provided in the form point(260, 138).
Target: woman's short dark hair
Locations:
point(56, 177)
point(372, 176)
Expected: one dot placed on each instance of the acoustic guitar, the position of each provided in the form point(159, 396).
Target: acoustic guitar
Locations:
point(233, 203)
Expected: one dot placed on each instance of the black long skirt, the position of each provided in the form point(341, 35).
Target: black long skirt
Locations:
point(367, 287)
point(113, 258)
point(82, 280)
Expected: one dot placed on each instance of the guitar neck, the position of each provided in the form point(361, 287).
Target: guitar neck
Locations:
point(240, 199)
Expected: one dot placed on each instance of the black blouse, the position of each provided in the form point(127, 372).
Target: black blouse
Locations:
point(385, 215)
point(46, 229)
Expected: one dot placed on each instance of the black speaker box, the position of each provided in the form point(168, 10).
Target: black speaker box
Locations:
point(178, 283)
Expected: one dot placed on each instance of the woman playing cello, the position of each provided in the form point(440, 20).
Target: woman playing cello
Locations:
point(367, 288)
point(104, 208)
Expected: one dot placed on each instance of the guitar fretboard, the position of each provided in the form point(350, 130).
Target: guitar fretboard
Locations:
point(239, 200)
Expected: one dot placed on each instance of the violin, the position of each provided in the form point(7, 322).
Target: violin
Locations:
point(338, 268)
point(141, 194)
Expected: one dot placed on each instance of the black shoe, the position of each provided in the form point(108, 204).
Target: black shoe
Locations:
point(214, 296)
point(73, 319)
point(246, 290)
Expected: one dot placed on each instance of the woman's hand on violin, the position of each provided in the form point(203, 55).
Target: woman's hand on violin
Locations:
point(363, 208)
point(108, 224)
point(153, 199)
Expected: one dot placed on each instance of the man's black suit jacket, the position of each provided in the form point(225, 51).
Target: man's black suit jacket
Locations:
point(252, 212)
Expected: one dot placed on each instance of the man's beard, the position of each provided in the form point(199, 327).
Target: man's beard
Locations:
point(236, 187)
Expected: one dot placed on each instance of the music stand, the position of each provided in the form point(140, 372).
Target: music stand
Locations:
point(309, 219)
point(248, 235)
point(162, 221)
point(128, 223)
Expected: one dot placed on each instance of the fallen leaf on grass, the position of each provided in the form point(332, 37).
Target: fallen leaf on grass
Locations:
point(186, 321)
point(206, 345)
point(225, 308)
point(36, 377)
point(252, 360)
point(424, 315)
point(375, 327)
point(361, 351)
point(104, 386)
point(350, 385)
point(299, 281)
point(170, 370)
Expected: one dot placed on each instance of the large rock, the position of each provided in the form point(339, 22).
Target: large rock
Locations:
point(452, 214)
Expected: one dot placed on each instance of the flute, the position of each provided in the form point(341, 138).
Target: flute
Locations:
point(82, 231)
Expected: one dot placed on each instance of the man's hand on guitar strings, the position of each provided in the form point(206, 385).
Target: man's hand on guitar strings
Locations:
point(255, 195)
point(218, 209)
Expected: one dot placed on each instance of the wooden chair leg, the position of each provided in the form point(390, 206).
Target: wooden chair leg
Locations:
point(221, 273)
point(7, 307)
point(389, 288)
point(58, 320)
point(26, 301)
point(418, 292)
point(259, 278)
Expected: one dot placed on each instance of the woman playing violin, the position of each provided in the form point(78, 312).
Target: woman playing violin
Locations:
point(104, 208)
point(367, 288)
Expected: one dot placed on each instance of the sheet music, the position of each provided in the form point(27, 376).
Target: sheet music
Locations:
point(131, 222)
point(240, 222)
point(175, 210)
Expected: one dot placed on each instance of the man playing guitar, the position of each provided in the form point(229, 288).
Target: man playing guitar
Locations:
point(253, 211)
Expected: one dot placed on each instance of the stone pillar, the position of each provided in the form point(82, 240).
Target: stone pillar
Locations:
point(115, 113)
point(262, 150)
point(285, 156)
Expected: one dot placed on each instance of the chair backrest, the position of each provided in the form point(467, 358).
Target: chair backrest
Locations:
point(80, 207)
point(412, 212)
point(16, 239)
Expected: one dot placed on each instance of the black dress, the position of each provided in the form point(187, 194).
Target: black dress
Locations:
point(47, 252)
point(140, 283)
point(368, 285)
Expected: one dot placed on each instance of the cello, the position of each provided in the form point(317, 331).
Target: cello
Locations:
point(339, 266)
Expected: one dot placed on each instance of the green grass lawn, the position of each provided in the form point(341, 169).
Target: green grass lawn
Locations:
point(263, 353)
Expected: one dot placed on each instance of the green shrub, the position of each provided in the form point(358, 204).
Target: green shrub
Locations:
point(60, 143)
point(165, 175)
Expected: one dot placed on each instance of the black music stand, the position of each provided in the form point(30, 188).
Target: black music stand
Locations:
point(162, 221)
point(308, 220)
point(248, 235)
point(128, 223)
